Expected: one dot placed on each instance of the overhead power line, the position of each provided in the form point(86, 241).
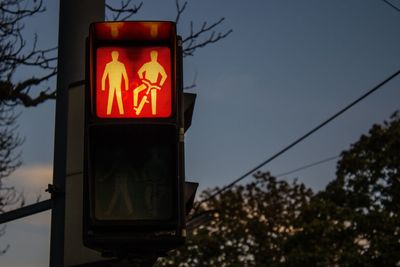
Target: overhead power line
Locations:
point(307, 166)
point(302, 138)
point(391, 5)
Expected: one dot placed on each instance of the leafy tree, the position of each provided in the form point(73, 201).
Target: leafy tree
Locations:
point(250, 225)
point(358, 213)
point(369, 175)
point(353, 222)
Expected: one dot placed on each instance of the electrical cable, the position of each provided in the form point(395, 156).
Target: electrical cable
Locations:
point(392, 5)
point(307, 166)
point(291, 145)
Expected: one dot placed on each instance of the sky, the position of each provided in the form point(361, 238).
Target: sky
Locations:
point(287, 66)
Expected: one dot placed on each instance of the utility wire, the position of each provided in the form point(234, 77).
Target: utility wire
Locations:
point(392, 5)
point(307, 166)
point(340, 112)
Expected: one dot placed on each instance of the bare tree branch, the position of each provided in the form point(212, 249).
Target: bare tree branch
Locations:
point(179, 10)
point(10, 159)
point(124, 12)
point(9, 142)
point(2, 231)
point(15, 54)
point(191, 42)
point(207, 31)
point(193, 84)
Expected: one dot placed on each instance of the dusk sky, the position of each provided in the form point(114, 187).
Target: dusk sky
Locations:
point(287, 66)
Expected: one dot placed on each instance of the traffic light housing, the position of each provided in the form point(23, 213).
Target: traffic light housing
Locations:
point(134, 150)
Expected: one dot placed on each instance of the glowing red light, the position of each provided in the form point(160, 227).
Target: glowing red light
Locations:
point(144, 31)
point(133, 82)
point(132, 68)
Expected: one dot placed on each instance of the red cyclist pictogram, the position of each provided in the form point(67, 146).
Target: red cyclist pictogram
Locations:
point(148, 74)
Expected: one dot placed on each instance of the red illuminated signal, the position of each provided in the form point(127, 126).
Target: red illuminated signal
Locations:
point(133, 140)
point(134, 31)
point(133, 70)
point(133, 82)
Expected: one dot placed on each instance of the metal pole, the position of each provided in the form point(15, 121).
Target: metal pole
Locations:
point(25, 211)
point(74, 20)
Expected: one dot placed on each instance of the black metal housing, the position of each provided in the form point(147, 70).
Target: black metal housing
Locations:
point(127, 236)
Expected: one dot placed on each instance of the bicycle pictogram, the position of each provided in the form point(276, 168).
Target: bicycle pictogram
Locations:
point(148, 75)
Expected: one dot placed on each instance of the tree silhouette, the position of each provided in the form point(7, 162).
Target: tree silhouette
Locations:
point(9, 161)
point(354, 221)
point(249, 227)
point(364, 201)
point(15, 54)
point(197, 38)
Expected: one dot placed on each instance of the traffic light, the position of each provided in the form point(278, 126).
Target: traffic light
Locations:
point(134, 150)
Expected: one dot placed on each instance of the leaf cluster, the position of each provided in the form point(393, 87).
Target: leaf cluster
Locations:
point(354, 221)
point(250, 225)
